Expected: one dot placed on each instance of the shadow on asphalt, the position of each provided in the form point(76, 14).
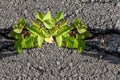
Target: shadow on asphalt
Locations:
point(6, 54)
point(6, 44)
point(7, 49)
point(103, 56)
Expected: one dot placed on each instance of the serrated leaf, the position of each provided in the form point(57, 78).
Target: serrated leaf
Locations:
point(35, 31)
point(81, 46)
point(70, 42)
point(19, 26)
point(48, 24)
point(39, 15)
point(19, 44)
point(59, 16)
point(64, 30)
point(40, 36)
point(47, 16)
point(14, 35)
point(78, 23)
point(30, 41)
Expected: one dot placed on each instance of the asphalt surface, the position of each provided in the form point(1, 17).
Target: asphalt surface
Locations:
point(99, 61)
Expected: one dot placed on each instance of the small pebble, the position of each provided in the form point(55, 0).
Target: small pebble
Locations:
point(58, 62)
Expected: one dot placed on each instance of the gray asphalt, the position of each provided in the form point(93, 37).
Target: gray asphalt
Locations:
point(99, 61)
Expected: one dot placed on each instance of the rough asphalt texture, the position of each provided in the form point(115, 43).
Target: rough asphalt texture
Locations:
point(99, 61)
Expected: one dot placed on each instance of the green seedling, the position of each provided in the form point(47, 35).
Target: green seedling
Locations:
point(48, 29)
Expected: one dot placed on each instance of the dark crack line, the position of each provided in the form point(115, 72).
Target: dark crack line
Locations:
point(97, 32)
point(114, 53)
point(94, 32)
point(7, 47)
point(5, 33)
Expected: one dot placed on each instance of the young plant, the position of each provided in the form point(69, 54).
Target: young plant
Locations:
point(48, 29)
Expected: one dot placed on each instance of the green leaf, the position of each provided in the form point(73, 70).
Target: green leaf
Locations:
point(63, 23)
point(81, 46)
point(46, 28)
point(39, 16)
point(64, 30)
point(59, 41)
point(35, 31)
point(48, 24)
point(14, 35)
point(70, 42)
point(86, 34)
point(53, 32)
point(59, 16)
point(19, 44)
point(82, 30)
point(19, 26)
point(17, 31)
point(40, 41)
point(40, 36)
point(45, 32)
point(30, 41)
point(36, 23)
point(83, 35)
point(47, 16)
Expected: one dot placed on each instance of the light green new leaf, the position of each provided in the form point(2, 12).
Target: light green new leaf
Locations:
point(59, 41)
point(47, 16)
point(82, 30)
point(59, 16)
point(40, 41)
point(17, 31)
point(36, 23)
point(39, 16)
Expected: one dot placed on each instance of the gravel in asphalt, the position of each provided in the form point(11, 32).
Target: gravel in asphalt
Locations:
point(99, 61)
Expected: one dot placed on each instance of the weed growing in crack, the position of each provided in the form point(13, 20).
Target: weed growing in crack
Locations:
point(48, 29)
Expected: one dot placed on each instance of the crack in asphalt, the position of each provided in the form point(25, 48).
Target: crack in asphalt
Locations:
point(114, 53)
point(94, 33)
point(97, 32)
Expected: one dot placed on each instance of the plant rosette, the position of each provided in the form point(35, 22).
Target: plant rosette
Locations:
point(46, 28)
